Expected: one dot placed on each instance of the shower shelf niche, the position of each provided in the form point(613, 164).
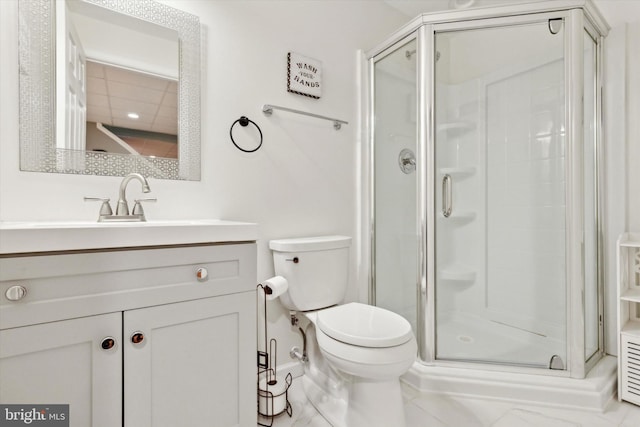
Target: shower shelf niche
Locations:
point(456, 128)
point(457, 273)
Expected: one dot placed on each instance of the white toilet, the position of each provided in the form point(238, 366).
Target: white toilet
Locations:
point(356, 352)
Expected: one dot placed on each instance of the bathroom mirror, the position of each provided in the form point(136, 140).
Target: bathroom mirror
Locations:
point(159, 83)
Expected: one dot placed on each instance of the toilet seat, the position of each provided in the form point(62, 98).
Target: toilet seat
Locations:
point(364, 325)
point(373, 363)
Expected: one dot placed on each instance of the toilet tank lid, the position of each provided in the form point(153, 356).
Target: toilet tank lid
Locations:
point(305, 244)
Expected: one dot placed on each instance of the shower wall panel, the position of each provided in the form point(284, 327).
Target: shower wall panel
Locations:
point(525, 200)
point(459, 257)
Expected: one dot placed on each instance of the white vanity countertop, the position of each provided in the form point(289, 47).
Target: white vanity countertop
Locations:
point(28, 237)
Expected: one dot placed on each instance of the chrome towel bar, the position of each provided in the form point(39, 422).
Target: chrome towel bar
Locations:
point(267, 109)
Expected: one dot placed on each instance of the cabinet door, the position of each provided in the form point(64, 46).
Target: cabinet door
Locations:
point(195, 365)
point(64, 363)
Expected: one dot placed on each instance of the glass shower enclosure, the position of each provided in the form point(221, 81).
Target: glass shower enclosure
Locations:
point(485, 139)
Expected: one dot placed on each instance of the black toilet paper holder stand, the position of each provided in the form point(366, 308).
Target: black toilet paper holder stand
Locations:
point(267, 369)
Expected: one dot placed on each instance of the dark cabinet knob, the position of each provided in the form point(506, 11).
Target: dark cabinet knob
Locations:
point(108, 343)
point(137, 337)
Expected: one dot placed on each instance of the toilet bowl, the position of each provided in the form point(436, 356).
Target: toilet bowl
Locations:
point(371, 347)
point(356, 352)
point(366, 341)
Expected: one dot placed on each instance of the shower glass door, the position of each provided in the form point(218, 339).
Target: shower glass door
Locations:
point(395, 254)
point(500, 280)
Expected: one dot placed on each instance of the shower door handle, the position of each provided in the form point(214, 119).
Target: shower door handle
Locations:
point(447, 196)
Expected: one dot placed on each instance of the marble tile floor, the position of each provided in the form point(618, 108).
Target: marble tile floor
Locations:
point(429, 410)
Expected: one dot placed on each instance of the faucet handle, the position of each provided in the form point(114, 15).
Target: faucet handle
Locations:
point(105, 209)
point(137, 207)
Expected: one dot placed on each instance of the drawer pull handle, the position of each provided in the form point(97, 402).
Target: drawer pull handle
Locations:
point(108, 343)
point(16, 293)
point(137, 337)
point(202, 273)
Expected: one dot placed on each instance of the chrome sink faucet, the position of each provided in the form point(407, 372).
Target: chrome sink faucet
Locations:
point(123, 208)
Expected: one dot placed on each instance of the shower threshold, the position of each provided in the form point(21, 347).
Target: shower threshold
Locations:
point(592, 393)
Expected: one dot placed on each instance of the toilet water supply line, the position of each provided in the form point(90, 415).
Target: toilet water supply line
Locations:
point(294, 353)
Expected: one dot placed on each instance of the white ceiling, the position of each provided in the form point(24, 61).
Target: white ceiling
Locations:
point(618, 12)
point(114, 92)
point(413, 8)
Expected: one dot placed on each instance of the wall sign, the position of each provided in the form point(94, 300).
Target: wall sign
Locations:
point(304, 75)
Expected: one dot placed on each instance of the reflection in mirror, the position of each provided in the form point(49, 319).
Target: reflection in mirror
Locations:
point(130, 112)
point(126, 96)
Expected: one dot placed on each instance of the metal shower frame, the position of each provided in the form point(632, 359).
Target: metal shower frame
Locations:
point(579, 16)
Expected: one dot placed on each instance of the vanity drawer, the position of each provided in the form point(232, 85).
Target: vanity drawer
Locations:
point(64, 286)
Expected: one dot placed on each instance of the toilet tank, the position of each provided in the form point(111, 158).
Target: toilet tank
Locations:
point(316, 269)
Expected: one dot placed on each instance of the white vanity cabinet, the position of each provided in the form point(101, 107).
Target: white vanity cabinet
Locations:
point(196, 369)
point(181, 320)
point(63, 363)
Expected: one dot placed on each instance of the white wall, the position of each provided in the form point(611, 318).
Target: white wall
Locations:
point(633, 124)
point(303, 179)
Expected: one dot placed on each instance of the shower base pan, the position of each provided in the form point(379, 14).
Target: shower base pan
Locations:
point(591, 394)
